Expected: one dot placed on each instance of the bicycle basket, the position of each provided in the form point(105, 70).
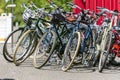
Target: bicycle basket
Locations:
point(26, 16)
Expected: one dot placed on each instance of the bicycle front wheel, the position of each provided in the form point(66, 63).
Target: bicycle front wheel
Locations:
point(24, 46)
point(71, 51)
point(105, 51)
point(44, 49)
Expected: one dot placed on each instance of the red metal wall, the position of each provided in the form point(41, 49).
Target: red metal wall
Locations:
point(110, 4)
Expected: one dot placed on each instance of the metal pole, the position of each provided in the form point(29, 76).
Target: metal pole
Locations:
point(12, 25)
point(12, 7)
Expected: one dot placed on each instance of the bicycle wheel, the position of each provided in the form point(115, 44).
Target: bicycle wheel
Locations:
point(105, 51)
point(10, 44)
point(44, 49)
point(97, 49)
point(71, 51)
point(97, 55)
point(90, 49)
point(24, 46)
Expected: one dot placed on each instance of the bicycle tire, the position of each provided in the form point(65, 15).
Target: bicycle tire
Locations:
point(91, 49)
point(97, 50)
point(97, 55)
point(39, 57)
point(7, 50)
point(65, 66)
point(25, 54)
point(103, 57)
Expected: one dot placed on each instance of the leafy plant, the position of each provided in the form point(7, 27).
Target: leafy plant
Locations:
point(18, 10)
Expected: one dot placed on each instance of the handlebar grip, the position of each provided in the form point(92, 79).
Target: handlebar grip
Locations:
point(24, 5)
point(98, 7)
point(101, 13)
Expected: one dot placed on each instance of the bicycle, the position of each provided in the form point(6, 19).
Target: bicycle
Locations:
point(106, 42)
point(28, 41)
point(85, 45)
point(10, 44)
point(58, 39)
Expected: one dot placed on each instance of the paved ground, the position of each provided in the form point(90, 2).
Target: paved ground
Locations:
point(8, 71)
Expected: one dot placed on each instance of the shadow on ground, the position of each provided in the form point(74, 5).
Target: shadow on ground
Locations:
point(7, 79)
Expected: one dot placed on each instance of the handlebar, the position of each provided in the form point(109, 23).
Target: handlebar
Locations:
point(103, 10)
point(73, 5)
point(24, 5)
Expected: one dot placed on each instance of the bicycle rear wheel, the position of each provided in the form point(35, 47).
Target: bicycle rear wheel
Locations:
point(90, 49)
point(44, 49)
point(97, 49)
point(105, 51)
point(71, 51)
point(10, 44)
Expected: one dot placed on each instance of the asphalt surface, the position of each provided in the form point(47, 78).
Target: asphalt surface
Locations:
point(26, 71)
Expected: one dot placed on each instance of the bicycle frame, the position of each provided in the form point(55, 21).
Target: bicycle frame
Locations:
point(88, 32)
point(60, 42)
